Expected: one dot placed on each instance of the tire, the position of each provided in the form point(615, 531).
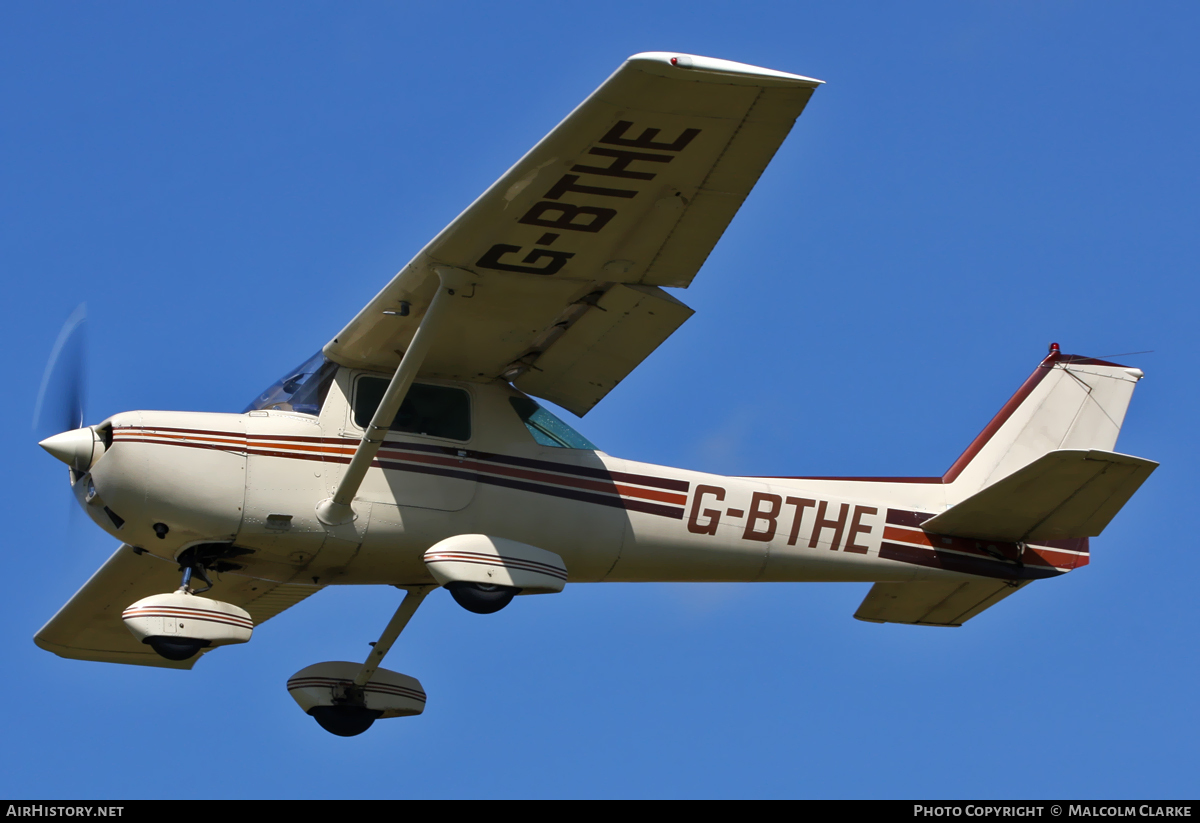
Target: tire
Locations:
point(175, 648)
point(481, 599)
point(344, 721)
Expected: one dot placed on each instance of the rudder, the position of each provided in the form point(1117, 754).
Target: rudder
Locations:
point(1069, 402)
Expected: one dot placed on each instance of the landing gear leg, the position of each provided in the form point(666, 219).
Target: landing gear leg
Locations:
point(174, 647)
point(190, 568)
point(349, 715)
point(413, 596)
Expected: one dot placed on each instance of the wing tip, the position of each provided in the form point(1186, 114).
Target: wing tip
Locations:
point(678, 61)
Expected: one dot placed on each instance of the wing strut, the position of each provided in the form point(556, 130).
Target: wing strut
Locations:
point(336, 510)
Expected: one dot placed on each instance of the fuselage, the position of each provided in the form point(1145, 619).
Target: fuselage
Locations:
point(170, 481)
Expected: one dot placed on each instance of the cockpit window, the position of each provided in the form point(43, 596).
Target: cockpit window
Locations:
point(303, 389)
point(434, 411)
point(547, 429)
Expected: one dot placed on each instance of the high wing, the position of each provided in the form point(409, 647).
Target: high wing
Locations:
point(89, 626)
point(568, 251)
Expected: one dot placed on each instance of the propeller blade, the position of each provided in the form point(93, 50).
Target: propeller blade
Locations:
point(60, 400)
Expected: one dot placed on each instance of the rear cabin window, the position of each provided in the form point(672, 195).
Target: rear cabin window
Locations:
point(547, 429)
point(434, 411)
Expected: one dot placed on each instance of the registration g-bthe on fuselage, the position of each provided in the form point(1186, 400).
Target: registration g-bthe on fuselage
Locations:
point(411, 452)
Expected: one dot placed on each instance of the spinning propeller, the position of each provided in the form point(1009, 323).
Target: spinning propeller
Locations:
point(59, 411)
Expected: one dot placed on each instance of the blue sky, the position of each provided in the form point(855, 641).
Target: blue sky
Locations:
point(227, 184)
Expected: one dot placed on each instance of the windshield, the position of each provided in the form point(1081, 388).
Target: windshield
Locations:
point(547, 429)
point(301, 389)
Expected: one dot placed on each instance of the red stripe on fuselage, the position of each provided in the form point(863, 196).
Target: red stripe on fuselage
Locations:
point(479, 466)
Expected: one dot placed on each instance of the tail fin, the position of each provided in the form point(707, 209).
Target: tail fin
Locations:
point(1042, 470)
point(1069, 402)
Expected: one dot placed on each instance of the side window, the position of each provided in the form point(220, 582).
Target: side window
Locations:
point(435, 411)
point(547, 429)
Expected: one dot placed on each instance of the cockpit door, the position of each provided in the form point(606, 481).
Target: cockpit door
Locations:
point(424, 459)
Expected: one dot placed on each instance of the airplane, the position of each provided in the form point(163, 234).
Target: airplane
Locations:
point(410, 451)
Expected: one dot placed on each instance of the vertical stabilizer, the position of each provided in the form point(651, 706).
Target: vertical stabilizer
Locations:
point(1069, 402)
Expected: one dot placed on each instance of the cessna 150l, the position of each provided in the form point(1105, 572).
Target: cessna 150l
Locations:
point(409, 451)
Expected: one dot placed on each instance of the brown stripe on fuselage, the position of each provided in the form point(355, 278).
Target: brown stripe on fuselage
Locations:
point(493, 480)
point(549, 465)
point(1035, 555)
point(967, 564)
point(236, 449)
point(1066, 553)
point(576, 482)
point(905, 541)
point(445, 462)
point(900, 517)
point(345, 446)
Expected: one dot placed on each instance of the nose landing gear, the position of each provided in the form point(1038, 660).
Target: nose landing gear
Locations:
point(175, 648)
point(179, 625)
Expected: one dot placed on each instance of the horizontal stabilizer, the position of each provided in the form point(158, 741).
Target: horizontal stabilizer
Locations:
point(933, 603)
point(89, 626)
point(1064, 494)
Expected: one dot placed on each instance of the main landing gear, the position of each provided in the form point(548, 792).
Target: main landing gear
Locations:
point(482, 598)
point(482, 573)
point(347, 698)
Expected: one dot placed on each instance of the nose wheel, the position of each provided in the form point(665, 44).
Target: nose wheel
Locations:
point(175, 648)
point(179, 625)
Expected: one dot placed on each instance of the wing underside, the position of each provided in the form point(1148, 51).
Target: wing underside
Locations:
point(568, 251)
point(89, 626)
point(933, 602)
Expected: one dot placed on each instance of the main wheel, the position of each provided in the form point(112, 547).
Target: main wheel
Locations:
point(480, 598)
point(175, 648)
point(344, 721)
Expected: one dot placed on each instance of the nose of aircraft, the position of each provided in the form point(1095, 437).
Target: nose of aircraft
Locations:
point(73, 447)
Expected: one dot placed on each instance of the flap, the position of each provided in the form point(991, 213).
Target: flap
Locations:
point(89, 626)
point(1067, 493)
point(634, 187)
point(595, 354)
point(933, 603)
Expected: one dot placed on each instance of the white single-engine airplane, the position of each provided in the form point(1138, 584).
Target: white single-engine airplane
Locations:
point(408, 452)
